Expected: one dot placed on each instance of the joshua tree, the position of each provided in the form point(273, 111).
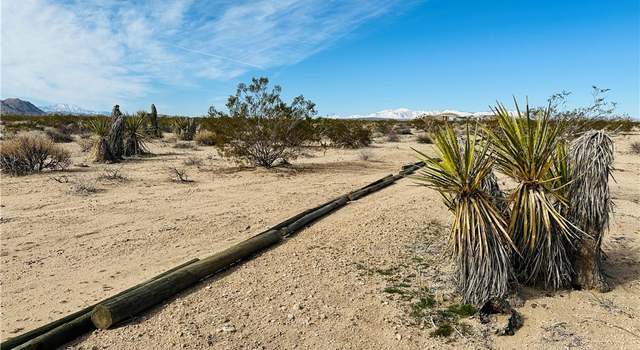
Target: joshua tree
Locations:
point(590, 161)
point(116, 135)
point(479, 240)
point(153, 119)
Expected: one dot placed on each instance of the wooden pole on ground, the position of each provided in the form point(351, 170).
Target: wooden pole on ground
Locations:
point(71, 325)
point(118, 309)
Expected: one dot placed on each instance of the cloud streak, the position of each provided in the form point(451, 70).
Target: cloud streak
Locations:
point(96, 53)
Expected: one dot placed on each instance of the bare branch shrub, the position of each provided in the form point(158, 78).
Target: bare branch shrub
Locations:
point(392, 136)
point(179, 175)
point(112, 174)
point(635, 147)
point(32, 153)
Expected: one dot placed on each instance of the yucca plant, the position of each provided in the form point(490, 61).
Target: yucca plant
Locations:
point(525, 148)
point(100, 128)
point(135, 134)
point(479, 241)
point(590, 162)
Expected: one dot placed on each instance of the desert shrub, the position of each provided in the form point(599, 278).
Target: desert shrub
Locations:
point(32, 153)
point(112, 174)
point(59, 135)
point(185, 128)
point(402, 129)
point(260, 128)
point(85, 144)
point(135, 134)
point(392, 136)
point(346, 133)
point(424, 138)
point(82, 186)
point(179, 175)
point(205, 138)
point(635, 147)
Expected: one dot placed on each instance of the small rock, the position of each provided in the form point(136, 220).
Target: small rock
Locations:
point(290, 317)
point(228, 328)
point(399, 336)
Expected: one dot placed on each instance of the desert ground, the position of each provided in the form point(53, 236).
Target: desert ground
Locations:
point(328, 287)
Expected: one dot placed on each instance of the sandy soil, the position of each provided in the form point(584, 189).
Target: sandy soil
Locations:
point(327, 287)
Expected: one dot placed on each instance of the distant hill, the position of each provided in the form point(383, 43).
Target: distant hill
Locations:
point(17, 106)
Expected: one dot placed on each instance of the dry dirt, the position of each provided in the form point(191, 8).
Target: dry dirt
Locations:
point(329, 287)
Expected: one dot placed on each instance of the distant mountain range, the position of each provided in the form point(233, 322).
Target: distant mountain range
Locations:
point(408, 114)
point(21, 107)
point(17, 106)
point(64, 108)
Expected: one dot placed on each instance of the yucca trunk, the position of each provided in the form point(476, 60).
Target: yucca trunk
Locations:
point(116, 135)
point(591, 163)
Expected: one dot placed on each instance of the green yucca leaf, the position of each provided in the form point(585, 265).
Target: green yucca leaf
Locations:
point(99, 126)
point(479, 241)
point(526, 148)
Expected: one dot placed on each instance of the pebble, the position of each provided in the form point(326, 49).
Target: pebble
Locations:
point(228, 328)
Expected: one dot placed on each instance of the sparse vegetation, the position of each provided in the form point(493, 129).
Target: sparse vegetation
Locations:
point(260, 128)
point(185, 128)
point(424, 138)
point(635, 147)
point(82, 186)
point(112, 174)
point(27, 154)
point(179, 175)
point(205, 138)
point(392, 136)
point(365, 155)
point(59, 135)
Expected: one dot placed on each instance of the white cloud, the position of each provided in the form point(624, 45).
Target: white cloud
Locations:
point(97, 53)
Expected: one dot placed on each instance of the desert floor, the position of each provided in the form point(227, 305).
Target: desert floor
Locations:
point(325, 288)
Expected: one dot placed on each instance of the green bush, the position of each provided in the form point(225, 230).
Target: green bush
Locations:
point(260, 128)
point(345, 133)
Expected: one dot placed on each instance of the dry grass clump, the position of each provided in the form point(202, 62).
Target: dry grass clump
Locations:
point(32, 153)
point(83, 186)
point(635, 147)
point(205, 138)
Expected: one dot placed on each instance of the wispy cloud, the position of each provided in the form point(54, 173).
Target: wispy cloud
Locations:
point(96, 53)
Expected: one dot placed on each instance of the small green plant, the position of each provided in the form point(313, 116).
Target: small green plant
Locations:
point(185, 128)
point(443, 330)
point(464, 310)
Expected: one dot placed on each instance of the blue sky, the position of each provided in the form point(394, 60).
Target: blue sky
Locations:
point(350, 57)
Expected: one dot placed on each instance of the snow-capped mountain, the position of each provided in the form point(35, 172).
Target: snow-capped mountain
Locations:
point(64, 108)
point(408, 114)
